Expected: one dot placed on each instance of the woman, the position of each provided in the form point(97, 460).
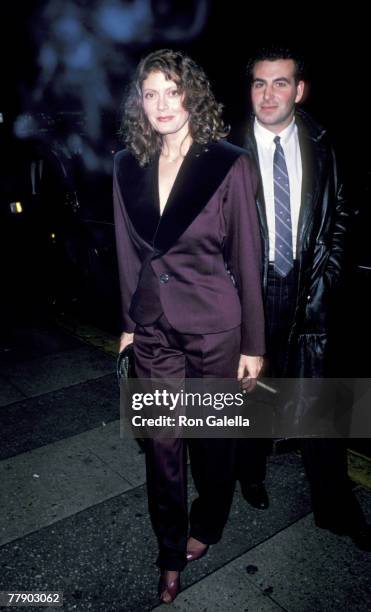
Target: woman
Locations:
point(189, 261)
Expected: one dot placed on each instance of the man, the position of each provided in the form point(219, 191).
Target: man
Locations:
point(304, 222)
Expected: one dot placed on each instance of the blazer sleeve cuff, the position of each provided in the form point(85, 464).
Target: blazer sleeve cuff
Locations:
point(128, 325)
point(253, 349)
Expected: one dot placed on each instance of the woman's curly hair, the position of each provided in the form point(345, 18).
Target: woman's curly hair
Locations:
point(205, 121)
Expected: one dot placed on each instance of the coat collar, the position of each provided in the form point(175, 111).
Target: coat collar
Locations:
point(201, 173)
point(312, 149)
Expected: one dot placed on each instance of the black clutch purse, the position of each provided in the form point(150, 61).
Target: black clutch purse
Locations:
point(125, 367)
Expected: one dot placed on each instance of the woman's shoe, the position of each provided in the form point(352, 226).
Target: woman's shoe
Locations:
point(168, 586)
point(196, 549)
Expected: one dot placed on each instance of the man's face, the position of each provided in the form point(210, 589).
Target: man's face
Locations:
point(274, 93)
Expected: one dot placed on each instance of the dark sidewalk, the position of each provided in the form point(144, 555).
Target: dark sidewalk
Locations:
point(73, 501)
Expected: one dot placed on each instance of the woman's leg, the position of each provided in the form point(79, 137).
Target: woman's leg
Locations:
point(158, 357)
point(166, 465)
point(213, 472)
point(213, 460)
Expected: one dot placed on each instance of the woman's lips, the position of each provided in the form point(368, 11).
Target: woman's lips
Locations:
point(167, 118)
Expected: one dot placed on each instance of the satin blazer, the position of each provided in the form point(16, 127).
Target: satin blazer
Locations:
point(199, 262)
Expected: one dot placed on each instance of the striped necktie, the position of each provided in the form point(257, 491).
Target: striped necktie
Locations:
point(283, 253)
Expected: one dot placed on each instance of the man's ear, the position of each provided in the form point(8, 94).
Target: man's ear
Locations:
point(300, 88)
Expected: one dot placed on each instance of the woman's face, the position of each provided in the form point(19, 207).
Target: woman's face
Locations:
point(163, 104)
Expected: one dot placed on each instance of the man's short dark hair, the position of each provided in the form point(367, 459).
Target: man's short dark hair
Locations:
point(277, 52)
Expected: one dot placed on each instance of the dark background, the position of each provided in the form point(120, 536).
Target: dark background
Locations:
point(59, 253)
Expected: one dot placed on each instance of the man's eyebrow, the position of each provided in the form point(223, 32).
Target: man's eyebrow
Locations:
point(260, 80)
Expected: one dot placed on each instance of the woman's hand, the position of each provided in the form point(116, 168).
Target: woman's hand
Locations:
point(125, 340)
point(249, 368)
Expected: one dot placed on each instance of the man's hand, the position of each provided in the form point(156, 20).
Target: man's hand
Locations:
point(249, 368)
point(125, 340)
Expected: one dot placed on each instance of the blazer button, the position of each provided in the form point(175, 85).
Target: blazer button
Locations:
point(164, 278)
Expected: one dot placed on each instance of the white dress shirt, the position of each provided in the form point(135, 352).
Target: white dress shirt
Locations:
point(266, 148)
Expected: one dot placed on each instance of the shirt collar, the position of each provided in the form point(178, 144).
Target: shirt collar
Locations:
point(265, 137)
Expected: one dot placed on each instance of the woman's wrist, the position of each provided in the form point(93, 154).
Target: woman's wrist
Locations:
point(125, 339)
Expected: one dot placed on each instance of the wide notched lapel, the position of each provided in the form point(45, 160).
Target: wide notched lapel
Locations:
point(139, 188)
point(201, 173)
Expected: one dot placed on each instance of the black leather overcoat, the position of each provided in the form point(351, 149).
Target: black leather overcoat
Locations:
point(322, 240)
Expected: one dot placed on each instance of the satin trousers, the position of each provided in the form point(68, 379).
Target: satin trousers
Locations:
point(163, 353)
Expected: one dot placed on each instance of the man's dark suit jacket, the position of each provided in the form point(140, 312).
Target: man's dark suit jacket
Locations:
point(200, 262)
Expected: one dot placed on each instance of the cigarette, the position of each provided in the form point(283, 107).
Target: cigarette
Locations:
point(266, 387)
